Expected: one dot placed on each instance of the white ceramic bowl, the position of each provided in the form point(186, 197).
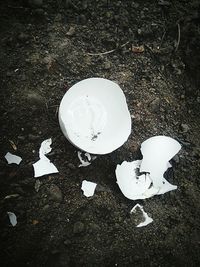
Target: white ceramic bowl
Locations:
point(94, 116)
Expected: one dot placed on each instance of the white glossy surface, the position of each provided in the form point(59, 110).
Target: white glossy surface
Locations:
point(11, 158)
point(157, 151)
point(94, 116)
point(147, 219)
point(131, 185)
point(12, 218)
point(43, 166)
point(88, 188)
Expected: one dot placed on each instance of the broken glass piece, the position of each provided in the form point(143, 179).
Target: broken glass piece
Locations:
point(147, 219)
point(88, 188)
point(11, 158)
point(12, 218)
point(157, 151)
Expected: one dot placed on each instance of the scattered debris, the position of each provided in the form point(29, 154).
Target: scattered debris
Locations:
point(12, 218)
point(11, 158)
point(55, 193)
point(137, 49)
point(34, 222)
point(147, 219)
point(88, 161)
point(11, 196)
point(78, 227)
point(144, 178)
point(108, 52)
point(13, 145)
point(71, 31)
point(88, 188)
point(37, 185)
point(43, 166)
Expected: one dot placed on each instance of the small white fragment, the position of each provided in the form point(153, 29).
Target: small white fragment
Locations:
point(45, 147)
point(147, 219)
point(12, 218)
point(43, 166)
point(84, 163)
point(11, 158)
point(88, 188)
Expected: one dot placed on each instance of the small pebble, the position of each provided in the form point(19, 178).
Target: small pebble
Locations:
point(55, 193)
point(185, 128)
point(78, 227)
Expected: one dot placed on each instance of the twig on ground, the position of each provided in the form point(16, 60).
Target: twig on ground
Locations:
point(179, 37)
point(107, 52)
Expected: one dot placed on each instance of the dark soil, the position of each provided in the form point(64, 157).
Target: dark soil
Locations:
point(45, 48)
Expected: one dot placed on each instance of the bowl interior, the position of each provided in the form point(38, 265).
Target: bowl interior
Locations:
point(94, 116)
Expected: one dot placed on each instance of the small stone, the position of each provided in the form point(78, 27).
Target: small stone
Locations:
point(35, 99)
point(155, 104)
point(33, 137)
point(107, 65)
point(37, 3)
point(71, 31)
point(8, 74)
point(23, 37)
point(58, 18)
point(78, 227)
point(176, 159)
point(71, 166)
point(39, 11)
point(21, 137)
point(185, 128)
point(67, 242)
point(23, 77)
point(82, 19)
point(55, 193)
point(46, 207)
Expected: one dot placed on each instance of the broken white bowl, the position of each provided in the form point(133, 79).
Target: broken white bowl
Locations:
point(157, 151)
point(94, 116)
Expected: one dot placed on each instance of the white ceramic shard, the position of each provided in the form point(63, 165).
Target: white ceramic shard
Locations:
point(45, 147)
point(11, 158)
point(157, 151)
point(139, 187)
point(84, 163)
point(88, 188)
point(131, 185)
point(43, 166)
point(147, 219)
point(12, 218)
point(94, 116)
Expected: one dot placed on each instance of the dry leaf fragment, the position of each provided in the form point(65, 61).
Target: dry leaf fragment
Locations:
point(13, 145)
point(34, 222)
point(138, 49)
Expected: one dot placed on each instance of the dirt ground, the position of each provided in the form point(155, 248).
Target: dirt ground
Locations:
point(46, 47)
